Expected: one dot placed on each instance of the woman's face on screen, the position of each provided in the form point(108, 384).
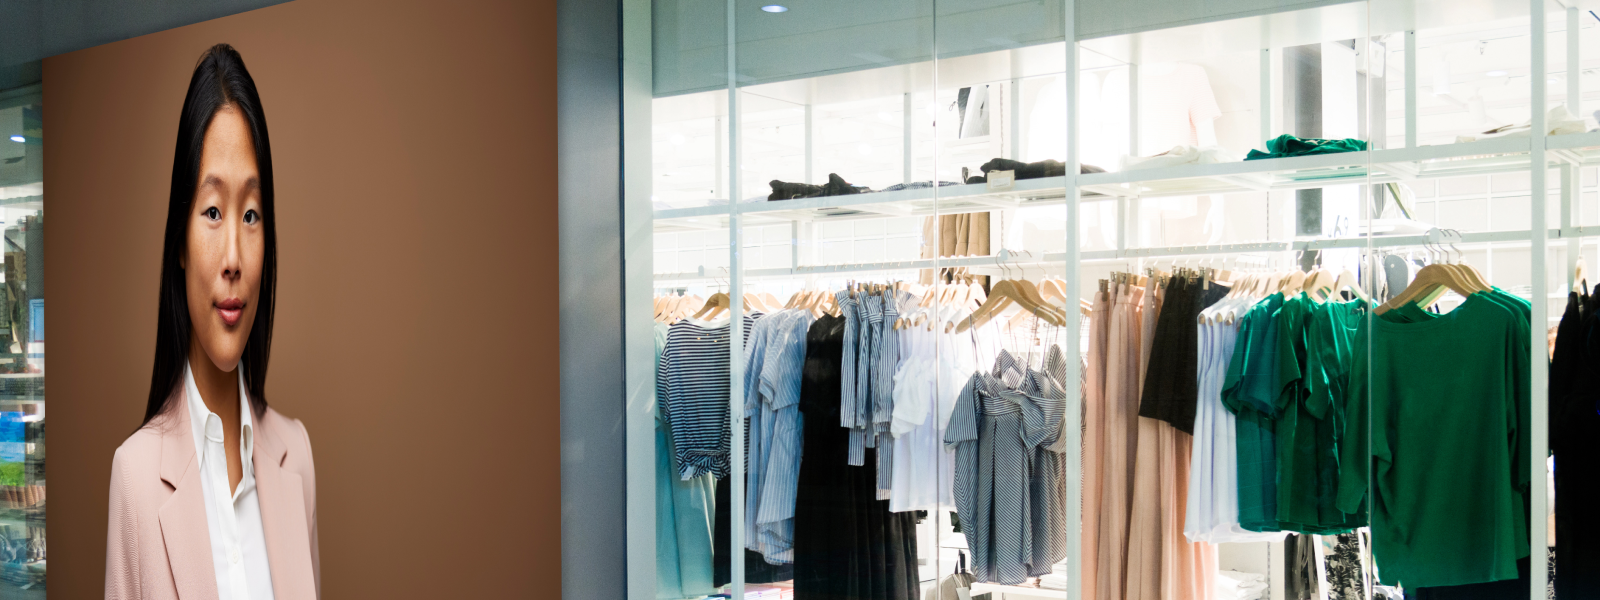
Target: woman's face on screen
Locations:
point(226, 241)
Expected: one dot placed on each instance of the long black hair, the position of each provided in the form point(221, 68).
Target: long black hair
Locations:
point(219, 80)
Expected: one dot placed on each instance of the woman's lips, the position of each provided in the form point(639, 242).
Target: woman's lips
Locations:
point(230, 310)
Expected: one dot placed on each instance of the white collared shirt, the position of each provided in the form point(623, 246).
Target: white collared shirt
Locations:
point(238, 545)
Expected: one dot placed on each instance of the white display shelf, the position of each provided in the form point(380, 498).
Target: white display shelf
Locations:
point(1298, 172)
point(950, 199)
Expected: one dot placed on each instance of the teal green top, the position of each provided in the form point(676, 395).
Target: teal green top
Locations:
point(1288, 145)
point(1250, 392)
point(1449, 467)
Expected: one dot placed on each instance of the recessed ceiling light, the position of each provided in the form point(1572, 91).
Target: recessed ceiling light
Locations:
point(18, 139)
point(1496, 74)
point(775, 8)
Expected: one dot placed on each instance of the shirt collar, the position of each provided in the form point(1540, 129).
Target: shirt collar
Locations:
point(204, 424)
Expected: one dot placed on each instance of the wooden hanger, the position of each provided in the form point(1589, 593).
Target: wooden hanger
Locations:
point(1293, 282)
point(718, 303)
point(1000, 295)
point(1347, 281)
point(1319, 285)
point(1429, 284)
point(1579, 278)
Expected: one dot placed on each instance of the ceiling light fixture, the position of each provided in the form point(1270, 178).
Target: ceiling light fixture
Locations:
point(1495, 74)
point(18, 139)
point(775, 8)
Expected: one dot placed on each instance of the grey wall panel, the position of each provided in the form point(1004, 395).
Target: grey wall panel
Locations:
point(593, 514)
point(33, 29)
point(822, 37)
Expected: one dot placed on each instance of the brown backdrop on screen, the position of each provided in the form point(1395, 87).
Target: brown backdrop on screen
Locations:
point(414, 148)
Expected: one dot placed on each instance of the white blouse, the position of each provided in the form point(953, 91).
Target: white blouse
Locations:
point(238, 546)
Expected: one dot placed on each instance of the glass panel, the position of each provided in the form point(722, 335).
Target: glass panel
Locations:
point(860, 163)
point(22, 430)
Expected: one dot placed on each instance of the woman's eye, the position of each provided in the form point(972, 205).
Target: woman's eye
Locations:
point(212, 213)
point(250, 217)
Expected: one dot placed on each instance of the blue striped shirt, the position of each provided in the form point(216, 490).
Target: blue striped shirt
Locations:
point(773, 372)
point(693, 386)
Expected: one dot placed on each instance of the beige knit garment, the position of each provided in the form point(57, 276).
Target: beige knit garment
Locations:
point(1162, 563)
point(1121, 439)
point(1094, 383)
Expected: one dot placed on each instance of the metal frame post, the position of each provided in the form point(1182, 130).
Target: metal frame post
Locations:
point(1541, 302)
point(1411, 89)
point(905, 156)
point(638, 326)
point(1074, 367)
point(736, 322)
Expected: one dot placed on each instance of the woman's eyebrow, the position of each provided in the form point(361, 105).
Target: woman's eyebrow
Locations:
point(250, 185)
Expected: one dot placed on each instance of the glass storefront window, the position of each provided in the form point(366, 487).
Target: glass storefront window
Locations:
point(22, 414)
point(961, 160)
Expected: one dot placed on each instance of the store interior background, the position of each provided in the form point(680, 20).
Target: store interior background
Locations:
point(834, 87)
point(403, 154)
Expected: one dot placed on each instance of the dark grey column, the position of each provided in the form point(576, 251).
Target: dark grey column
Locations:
point(593, 513)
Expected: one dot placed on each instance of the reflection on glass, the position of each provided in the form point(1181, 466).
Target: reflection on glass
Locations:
point(22, 430)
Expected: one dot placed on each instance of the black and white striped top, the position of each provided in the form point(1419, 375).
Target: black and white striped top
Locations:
point(692, 387)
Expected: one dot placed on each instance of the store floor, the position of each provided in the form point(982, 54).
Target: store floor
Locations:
point(11, 592)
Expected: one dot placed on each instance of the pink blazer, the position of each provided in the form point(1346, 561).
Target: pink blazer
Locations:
point(158, 545)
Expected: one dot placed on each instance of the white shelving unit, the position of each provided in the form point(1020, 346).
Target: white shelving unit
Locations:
point(1536, 154)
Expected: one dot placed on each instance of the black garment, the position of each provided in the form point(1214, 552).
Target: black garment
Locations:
point(756, 569)
point(1033, 170)
point(1171, 390)
point(836, 186)
point(1300, 564)
point(847, 545)
point(1575, 443)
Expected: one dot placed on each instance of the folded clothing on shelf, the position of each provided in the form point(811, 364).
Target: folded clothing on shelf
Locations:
point(1287, 145)
point(1558, 119)
point(1033, 170)
point(1053, 581)
point(836, 186)
point(1238, 585)
point(1179, 155)
point(916, 185)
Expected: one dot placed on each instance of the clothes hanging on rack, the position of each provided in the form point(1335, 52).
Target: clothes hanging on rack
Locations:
point(1347, 573)
point(1095, 517)
point(1131, 314)
point(692, 387)
point(1213, 500)
point(1162, 563)
point(1010, 494)
point(1300, 567)
point(1314, 352)
point(773, 359)
point(1574, 424)
point(1449, 455)
point(683, 518)
point(847, 544)
point(1250, 392)
point(924, 397)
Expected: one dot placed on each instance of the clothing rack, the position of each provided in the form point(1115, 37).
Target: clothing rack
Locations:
point(1007, 258)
